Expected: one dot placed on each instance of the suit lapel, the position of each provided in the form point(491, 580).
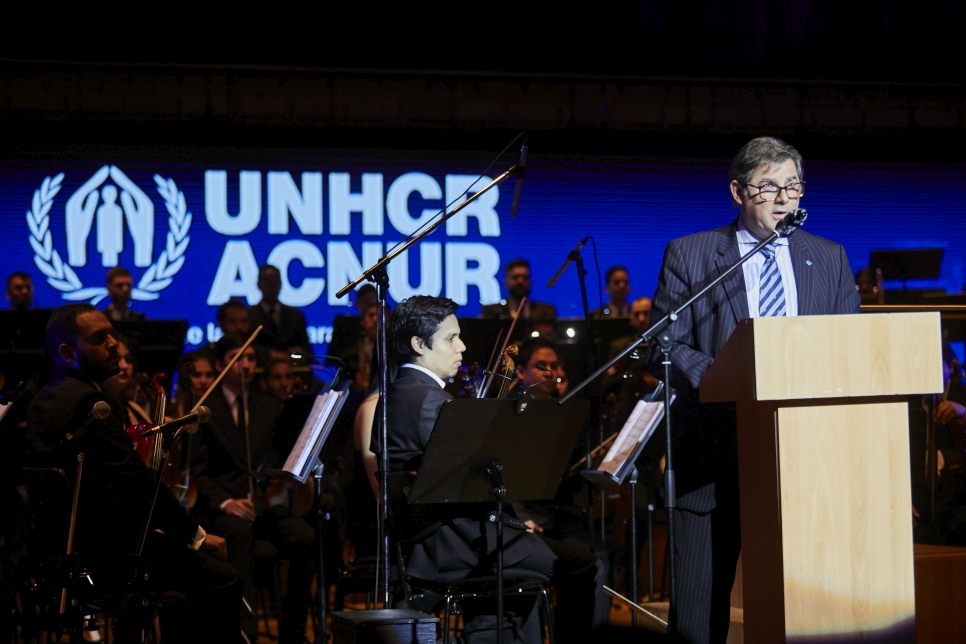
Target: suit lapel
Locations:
point(734, 285)
point(804, 275)
point(226, 432)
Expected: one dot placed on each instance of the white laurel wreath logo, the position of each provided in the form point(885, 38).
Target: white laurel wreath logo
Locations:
point(62, 277)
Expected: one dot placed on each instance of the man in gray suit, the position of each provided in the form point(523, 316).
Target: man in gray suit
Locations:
point(798, 275)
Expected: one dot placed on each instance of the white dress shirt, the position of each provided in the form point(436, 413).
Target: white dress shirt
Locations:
point(752, 269)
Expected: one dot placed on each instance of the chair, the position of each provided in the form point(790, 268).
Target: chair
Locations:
point(267, 581)
point(359, 575)
point(426, 595)
point(63, 594)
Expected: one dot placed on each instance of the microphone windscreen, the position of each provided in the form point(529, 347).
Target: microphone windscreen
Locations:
point(101, 410)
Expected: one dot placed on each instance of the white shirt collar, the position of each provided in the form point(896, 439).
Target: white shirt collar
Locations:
point(229, 395)
point(439, 380)
point(747, 239)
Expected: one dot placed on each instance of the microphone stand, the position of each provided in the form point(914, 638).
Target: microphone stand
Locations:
point(377, 275)
point(659, 332)
point(575, 256)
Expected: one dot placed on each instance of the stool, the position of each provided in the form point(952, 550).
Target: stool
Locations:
point(396, 626)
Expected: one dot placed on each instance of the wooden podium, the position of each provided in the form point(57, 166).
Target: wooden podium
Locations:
point(823, 462)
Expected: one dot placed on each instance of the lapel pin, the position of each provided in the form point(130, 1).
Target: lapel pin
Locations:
point(808, 262)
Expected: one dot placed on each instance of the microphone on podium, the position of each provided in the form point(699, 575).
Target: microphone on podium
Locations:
point(791, 222)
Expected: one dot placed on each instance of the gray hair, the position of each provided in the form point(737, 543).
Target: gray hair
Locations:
point(764, 150)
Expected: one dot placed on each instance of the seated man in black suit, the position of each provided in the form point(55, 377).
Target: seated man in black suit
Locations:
point(516, 279)
point(229, 448)
point(117, 488)
point(284, 326)
point(451, 542)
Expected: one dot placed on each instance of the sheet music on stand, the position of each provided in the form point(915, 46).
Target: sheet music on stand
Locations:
point(627, 447)
point(302, 458)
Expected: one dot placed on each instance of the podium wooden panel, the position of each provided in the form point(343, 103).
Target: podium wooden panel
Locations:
point(823, 458)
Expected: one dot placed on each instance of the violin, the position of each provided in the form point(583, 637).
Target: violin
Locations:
point(149, 446)
point(176, 473)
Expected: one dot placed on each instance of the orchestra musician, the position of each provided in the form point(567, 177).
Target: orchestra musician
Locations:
point(125, 383)
point(118, 487)
point(227, 451)
point(802, 275)
point(20, 290)
point(516, 279)
point(283, 326)
point(120, 283)
point(617, 286)
point(451, 542)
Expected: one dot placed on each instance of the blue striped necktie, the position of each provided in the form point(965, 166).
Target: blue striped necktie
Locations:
point(771, 293)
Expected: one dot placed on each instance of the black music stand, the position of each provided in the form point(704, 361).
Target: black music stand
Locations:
point(303, 461)
point(482, 450)
point(157, 343)
point(22, 343)
point(909, 264)
point(619, 465)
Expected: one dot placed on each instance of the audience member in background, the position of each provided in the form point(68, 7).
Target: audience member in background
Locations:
point(20, 291)
point(618, 287)
point(283, 326)
point(119, 285)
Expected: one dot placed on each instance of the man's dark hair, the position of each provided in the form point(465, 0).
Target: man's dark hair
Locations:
point(419, 316)
point(514, 264)
point(531, 345)
point(62, 327)
point(223, 310)
point(117, 271)
point(764, 150)
point(365, 289)
point(613, 269)
point(227, 342)
point(23, 275)
point(267, 267)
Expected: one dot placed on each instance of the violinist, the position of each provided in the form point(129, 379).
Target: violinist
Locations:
point(278, 380)
point(538, 362)
point(229, 449)
point(118, 487)
point(125, 383)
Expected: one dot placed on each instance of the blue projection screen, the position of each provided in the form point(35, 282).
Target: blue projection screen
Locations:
point(193, 232)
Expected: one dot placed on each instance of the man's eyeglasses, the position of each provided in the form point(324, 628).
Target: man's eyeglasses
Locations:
point(769, 192)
